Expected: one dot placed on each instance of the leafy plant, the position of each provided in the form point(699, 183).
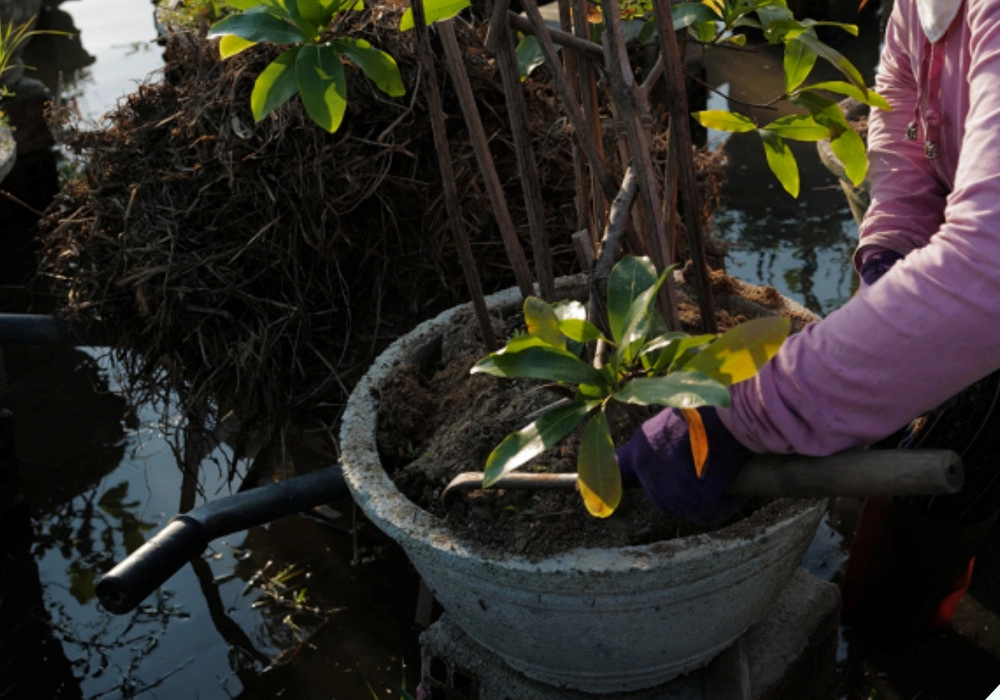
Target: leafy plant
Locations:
point(12, 40)
point(313, 67)
point(645, 365)
point(714, 22)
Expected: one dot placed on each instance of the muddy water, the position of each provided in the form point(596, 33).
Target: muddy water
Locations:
point(300, 608)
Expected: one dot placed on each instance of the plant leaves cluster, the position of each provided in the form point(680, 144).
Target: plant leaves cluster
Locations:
point(313, 66)
point(721, 23)
point(644, 365)
point(716, 22)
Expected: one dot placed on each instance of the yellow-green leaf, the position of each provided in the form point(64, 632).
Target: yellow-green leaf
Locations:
point(724, 120)
point(799, 127)
point(230, 45)
point(799, 61)
point(434, 11)
point(542, 322)
point(275, 85)
point(599, 479)
point(781, 161)
point(850, 151)
point(379, 66)
point(740, 352)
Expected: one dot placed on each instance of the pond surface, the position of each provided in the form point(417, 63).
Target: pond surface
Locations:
point(299, 608)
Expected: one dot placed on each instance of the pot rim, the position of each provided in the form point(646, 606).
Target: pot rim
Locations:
point(399, 517)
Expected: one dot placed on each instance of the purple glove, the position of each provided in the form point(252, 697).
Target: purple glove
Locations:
point(877, 265)
point(658, 458)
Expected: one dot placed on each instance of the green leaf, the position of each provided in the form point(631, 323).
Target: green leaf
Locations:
point(678, 389)
point(541, 362)
point(723, 120)
point(850, 150)
point(322, 85)
point(319, 12)
point(824, 111)
point(542, 322)
point(799, 61)
point(523, 340)
point(868, 97)
point(629, 278)
point(834, 57)
point(660, 351)
point(638, 323)
point(799, 127)
point(527, 443)
point(686, 349)
point(275, 85)
point(781, 161)
point(529, 55)
point(379, 66)
point(257, 27)
point(581, 331)
point(703, 32)
point(599, 481)
point(740, 352)
point(308, 27)
point(687, 14)
point(434, 11)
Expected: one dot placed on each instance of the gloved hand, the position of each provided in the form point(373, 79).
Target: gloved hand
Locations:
point(878, 264)
point(658, 458)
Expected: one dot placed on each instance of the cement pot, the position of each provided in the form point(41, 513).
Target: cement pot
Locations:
point(8, 149)
point(596, 620)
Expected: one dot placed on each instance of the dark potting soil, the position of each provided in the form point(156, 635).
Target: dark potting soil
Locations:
point(437, 421)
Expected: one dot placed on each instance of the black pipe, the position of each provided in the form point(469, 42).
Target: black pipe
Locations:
point(187, 535)
point(36, 329)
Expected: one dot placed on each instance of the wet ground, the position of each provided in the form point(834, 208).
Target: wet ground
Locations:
point(305, 607)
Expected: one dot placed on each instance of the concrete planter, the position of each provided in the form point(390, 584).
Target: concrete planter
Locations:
point(8, 150)
point(596, 620)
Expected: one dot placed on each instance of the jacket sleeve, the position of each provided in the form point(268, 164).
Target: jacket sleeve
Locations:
point(924, 331)
point(907, 196)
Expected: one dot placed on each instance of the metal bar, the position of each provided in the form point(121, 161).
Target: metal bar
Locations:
point(186, 536)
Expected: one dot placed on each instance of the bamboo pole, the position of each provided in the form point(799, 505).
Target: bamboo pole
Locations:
point(634, 110)
point(680, 141)
point(477, 135)
point(595, 157)
point(517, 111)
point(452, 207)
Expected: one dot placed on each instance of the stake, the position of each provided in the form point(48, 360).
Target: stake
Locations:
point(477, 135)
point(526, 167)
point(594, 156)
point(458, 231)
point(634, 110)
point(680, 140)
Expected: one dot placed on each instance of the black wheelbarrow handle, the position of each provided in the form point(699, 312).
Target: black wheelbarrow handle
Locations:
point(187, 535)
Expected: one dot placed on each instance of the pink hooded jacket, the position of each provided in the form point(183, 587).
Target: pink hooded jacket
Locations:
point(931, 325)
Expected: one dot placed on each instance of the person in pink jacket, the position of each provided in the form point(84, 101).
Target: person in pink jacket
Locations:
point(924, 325)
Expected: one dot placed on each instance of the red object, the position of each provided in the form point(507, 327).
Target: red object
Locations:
point(907, 569)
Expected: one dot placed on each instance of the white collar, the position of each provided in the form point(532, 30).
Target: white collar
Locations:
point(936, 16)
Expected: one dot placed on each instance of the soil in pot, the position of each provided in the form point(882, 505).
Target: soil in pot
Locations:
point(437, 421)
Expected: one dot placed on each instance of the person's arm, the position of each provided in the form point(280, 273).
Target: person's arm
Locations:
point(927, 329)
point(907, 196)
